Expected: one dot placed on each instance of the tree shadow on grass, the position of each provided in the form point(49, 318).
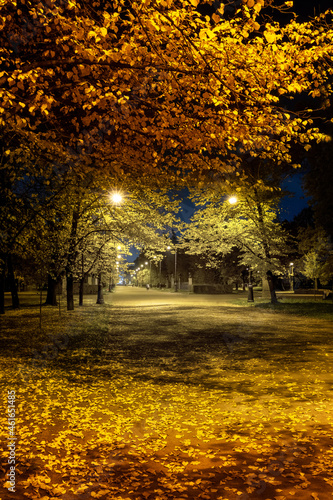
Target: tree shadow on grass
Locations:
point(320, 309)
point(179, 345)
point(160, 349)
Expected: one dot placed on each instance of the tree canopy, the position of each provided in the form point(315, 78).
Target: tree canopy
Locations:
point(155, 86)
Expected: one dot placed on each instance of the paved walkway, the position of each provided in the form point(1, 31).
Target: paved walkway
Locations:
point(134, 296)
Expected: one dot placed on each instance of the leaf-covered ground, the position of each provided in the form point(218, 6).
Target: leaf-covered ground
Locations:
point(169, 402)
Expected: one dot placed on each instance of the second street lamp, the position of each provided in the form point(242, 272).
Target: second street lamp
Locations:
point(291, 276)
point(175, 278)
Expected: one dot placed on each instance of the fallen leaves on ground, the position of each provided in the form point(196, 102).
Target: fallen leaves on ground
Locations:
point(139, 413)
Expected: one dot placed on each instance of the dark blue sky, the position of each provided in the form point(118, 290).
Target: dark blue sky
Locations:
point(292, 205)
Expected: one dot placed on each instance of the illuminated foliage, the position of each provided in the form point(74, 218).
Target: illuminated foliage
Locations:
point(317, 249)
point(250, 225)
point(142, 86)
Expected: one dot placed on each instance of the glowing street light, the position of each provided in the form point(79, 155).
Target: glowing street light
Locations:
point(232, 200)
point(116, 198)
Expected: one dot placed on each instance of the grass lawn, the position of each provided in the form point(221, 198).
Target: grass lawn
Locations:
point(170, 402)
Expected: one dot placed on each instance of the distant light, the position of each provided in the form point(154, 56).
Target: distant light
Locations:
point(118, 256)
point(117, 262)
point(118, 247)
point(116, 198)
point(232, 200)
point(168, 247)
point(141, 265)
point(146, 263)
point(291, 264)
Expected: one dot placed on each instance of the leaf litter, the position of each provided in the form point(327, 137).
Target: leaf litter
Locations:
point(208, 406)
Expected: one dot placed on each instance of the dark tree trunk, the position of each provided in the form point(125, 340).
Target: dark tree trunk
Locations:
point(2, 289)
point(270, 279)
point(51, 297)
point(81, 291)
point(71, 258)
point(70, 292)
point(13, 283)
point(100, 299)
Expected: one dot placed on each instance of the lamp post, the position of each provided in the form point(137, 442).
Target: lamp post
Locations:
point(175, 278)
point(116, 198)
point(232, 201)
point(146, 263)
point(291, 276)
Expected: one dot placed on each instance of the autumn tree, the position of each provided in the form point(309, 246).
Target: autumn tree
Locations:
point(25, 197)
point(158, 89)
point(316, 249)
point(156, 86)
point(239, 216)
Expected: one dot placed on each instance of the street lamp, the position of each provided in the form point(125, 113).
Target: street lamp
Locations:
point(291, 276)
point(232, 200)
point(116, 197)
point(175, 283)
point(146, 263)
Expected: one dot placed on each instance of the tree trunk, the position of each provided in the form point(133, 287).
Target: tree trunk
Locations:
point(81, 291)
point(270, 280)
point(70, 291)
point(100, 299)
point(13, 283)
point(71, 258)
point(51, 297)
point(2, 289)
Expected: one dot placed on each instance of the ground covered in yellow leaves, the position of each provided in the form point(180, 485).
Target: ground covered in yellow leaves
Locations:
point(173, 402)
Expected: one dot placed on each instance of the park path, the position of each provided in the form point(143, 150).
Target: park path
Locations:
point(164, 396)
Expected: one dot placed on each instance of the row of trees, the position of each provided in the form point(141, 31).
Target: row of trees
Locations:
point(142, 97)
point(71, 226)
point(224, 241)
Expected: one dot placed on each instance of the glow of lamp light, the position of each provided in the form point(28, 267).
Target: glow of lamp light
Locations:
point(116, 198)
point(232, 200)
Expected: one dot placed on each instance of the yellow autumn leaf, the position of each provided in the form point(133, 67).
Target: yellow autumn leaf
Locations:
point(270, 36)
